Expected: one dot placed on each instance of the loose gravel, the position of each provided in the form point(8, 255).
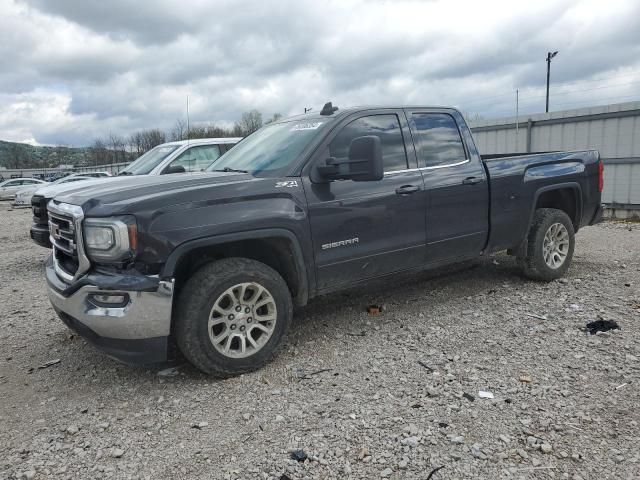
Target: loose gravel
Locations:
point(351, 395)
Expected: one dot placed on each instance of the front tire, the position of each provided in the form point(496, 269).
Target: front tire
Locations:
point(551, 241)
point(232, 315)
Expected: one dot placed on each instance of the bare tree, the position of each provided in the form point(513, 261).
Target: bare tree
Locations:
point(179, 130)
point(116, 145)
point(275, 118)
point(135, 143)
point(249, 123)
point(152, 138)
point(99, 153)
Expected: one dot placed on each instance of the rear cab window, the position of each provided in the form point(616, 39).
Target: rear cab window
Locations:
point(437, 139)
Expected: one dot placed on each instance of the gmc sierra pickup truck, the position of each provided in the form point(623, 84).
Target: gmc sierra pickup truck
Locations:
point(215, 262)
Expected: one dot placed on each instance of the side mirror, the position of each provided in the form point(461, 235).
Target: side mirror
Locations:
point(174, 169)
point(363, 164)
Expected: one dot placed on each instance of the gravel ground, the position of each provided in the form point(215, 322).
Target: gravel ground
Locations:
point(392, 396)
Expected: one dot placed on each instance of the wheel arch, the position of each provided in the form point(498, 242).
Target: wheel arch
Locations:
point(562, 196)
point(277, 248)
point(565, 196)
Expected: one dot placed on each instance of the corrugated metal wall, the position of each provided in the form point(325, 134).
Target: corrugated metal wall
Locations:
point(614, 130)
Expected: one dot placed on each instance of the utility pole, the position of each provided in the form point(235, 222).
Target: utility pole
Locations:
point(517, 119)
point(550, 55)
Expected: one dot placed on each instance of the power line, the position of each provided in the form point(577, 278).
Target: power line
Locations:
point(562, 84)
point(562, 94)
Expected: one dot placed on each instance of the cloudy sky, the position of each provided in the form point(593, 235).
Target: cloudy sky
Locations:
point(74, 70)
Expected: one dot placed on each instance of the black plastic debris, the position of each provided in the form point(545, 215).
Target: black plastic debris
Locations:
point(469, 397)
point(284, 476)
point(298, 456)
point(435, 470)
point(424, 365)
point(602, 326)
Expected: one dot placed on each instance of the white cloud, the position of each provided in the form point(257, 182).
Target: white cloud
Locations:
point(71, 71)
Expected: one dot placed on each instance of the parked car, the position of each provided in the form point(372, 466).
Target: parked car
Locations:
point(304, 206)
point(9, 188)
point(23, 197)
point(173, 157)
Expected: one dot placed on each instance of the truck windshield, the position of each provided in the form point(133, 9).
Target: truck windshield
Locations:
point(150, 160)
point(271, 149)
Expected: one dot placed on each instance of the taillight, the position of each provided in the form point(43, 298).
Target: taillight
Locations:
point(600, 175)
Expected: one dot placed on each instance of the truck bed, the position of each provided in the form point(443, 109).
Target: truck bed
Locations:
point(518, 183)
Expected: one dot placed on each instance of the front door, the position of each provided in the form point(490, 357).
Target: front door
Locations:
point(367, 229)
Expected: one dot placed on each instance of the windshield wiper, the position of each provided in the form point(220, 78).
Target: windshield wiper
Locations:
point(228, 169)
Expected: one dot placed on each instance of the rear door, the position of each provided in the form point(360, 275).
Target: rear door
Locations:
point(457, 191)
point(367, 229)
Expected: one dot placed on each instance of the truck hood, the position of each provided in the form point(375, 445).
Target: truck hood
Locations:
point(129, 194)
point(50, 191)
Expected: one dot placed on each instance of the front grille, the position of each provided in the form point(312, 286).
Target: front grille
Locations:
point(63, 238)
point(65, 233)
point(39, 208)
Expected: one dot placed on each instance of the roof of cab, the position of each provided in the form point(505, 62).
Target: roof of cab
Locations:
point(341, 112)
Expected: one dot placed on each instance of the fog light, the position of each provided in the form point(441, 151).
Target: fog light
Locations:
point(110, 301)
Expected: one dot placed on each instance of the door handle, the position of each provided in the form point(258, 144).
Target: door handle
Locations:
point(407, 189)
point(471, 180)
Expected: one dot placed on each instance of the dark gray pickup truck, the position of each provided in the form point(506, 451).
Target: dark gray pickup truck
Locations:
point(215, 262)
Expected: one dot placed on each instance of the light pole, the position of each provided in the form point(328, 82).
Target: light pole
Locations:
point(550, 55)
point(307, 109)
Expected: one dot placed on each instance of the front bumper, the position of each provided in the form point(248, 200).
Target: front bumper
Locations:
point(40, 235)
point(135, 333)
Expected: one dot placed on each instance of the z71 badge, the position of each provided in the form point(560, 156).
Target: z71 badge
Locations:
point(287, 184)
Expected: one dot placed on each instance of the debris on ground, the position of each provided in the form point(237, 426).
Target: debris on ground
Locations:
point(422, 364)
point(49, 363)
point(169, 372)
point(307, 376)
point(526, 378)
point(298, 456)
point(534, 315)
point(374, 309)
point(485, 394)
point(117, 452)
point(469, 397)
point(601, 325)
point(434, 471)
point(199, 425)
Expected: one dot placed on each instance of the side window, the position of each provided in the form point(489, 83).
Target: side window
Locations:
point(437, 139)
point(387, 127)
point(197, 158)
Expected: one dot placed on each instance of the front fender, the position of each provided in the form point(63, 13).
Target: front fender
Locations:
point(305, 279)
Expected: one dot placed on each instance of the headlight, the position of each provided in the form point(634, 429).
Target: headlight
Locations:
point(110, 239)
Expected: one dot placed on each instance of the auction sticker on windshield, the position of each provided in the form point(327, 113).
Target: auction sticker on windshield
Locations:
point(306, 126)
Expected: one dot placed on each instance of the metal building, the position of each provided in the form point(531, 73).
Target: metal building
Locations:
point(614, 130)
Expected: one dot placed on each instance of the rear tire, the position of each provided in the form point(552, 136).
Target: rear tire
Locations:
point(551, 241)
point(232, 315)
